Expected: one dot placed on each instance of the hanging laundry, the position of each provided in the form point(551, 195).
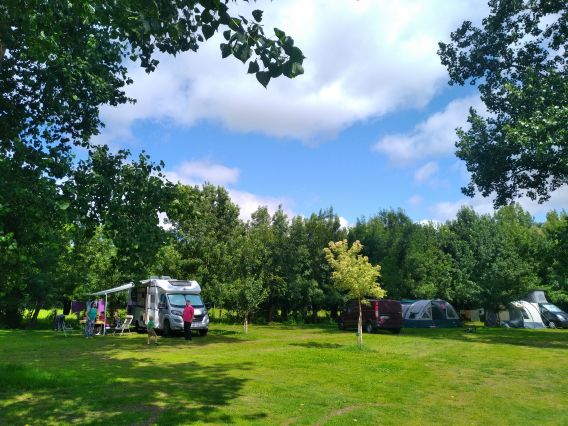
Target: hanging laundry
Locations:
point(77, 306)
point(101, 306)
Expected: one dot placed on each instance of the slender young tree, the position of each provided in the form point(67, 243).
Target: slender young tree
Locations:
point(353, 274)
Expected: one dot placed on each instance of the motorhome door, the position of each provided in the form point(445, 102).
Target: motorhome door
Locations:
point(152, 303)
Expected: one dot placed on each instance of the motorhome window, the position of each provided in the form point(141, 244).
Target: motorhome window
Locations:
point(551, 308)
point(163, 299)
point(178, 300)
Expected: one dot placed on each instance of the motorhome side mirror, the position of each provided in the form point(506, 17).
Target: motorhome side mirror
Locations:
point(162, 306)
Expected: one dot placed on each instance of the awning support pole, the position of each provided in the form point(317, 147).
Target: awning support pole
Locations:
point(105, 317)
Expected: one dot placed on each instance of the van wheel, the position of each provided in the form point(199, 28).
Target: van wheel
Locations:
point(368, 328)
point(340, 325)
point(167, 328)
point(395, 331)
point(138, 328)
point(203, 332)
point(551, 324)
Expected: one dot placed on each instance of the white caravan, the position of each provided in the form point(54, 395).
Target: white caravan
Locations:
point(164, 299)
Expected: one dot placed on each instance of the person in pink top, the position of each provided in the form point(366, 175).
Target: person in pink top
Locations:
point(187, 319)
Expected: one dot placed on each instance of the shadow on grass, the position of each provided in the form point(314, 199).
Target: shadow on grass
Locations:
point(318, 345)
point(134, 339)
point(557, 339)
point(117, 381)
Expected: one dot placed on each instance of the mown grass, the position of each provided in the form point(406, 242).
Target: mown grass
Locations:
point(286, 375)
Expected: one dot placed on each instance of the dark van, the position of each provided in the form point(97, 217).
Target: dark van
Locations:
point(377, 315)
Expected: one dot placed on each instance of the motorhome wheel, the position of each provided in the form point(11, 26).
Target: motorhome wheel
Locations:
point(369, 328)
point(167, 329)
point(551, 324)
point(203, 332)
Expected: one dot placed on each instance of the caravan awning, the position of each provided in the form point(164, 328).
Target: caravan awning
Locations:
point(114, 289)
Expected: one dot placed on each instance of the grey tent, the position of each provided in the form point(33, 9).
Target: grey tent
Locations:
point(429, 314)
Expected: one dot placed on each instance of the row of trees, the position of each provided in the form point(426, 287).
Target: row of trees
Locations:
point(101, 227)
point(68, 227)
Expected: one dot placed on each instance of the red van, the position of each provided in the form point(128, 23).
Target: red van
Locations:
point(383, 314)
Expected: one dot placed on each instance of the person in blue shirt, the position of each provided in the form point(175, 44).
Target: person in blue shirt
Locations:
point(90, 318)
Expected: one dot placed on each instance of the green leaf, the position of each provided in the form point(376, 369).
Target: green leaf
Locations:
point(275, 70)
point(225, 50)
point(257, 15)
point(280, 34)
point(244, 53)
point(227, 34)
point(297, 69)
point(208, 31)
point(235, 25)
point(263, 77)
point(206, 16)
point(253, 67)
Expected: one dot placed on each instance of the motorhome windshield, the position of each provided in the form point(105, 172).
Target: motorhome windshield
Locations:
point(551, 308)
point(178, 300)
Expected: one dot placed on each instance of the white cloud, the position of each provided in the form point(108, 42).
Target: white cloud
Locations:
point(197, 172)
point(426, 172)
point(364, 59)
point(415, 200)
point(434, 137)
point(344, 222)
point(249, 203)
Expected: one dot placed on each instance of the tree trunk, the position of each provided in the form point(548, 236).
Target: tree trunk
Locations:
point(314, 315)
point(334, 314)
point(33, 320)
point(269, 312)
point(284, 313)
point(360, 328)
point(245, 324)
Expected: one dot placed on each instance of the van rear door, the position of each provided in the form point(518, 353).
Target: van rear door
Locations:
point(390, 314)
point(152, 304)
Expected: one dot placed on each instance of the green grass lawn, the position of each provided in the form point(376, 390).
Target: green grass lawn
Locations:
point(286, 375)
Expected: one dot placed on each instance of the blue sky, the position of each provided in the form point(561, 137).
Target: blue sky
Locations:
point(369, 126)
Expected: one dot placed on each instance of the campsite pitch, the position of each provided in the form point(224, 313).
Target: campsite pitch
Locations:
point(286, 375)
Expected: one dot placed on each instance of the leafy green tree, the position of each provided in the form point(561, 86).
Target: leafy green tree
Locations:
point(97, 264)
point(52, 84)
point(553, 255)
point(353, 274)
point(204, 223)
point(247, 288)
point(302, 290)
point(320, 229)
point(518, 60)
point(126, 197)
point(428, 271)
point(386, 238)
point(33, 236)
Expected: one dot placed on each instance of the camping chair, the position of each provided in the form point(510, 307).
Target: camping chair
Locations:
point(60, 325)
point(125, 325)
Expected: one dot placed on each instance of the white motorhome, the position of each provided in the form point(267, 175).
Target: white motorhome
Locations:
point(164, 298)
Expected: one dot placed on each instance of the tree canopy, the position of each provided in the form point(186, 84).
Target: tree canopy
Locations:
point(518, 60)
point(60, 61)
